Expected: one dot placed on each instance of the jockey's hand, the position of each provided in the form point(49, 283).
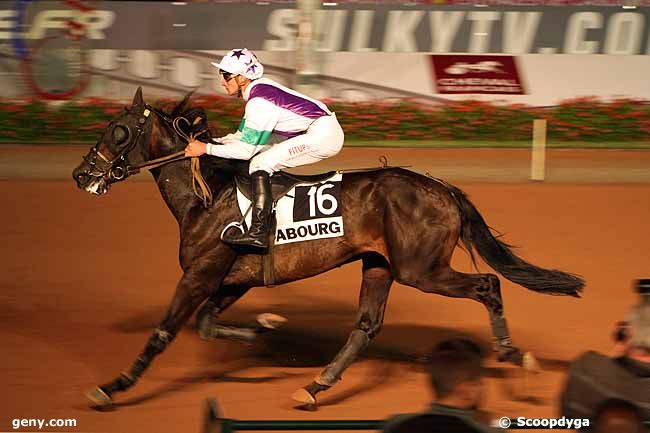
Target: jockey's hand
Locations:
point(195, 148)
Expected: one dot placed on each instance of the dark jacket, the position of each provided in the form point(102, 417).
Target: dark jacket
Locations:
point(437, 419)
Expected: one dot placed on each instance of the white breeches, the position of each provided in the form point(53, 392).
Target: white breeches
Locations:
point(323, 138)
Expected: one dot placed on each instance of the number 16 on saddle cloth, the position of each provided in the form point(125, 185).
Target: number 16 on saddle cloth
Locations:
point(306, 212)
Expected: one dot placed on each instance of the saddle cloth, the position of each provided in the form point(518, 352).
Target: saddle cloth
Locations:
point(303, 210)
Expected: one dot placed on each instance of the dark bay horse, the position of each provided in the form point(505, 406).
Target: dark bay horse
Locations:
point(403, 226)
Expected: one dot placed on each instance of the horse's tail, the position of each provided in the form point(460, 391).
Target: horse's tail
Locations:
point(475, 233)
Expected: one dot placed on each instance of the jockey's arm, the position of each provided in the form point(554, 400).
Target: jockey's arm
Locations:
point(260, 119)
point(233, 149)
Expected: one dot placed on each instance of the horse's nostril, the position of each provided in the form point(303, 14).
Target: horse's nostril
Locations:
point(82, 177)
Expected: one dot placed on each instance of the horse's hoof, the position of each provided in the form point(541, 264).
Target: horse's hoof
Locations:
point(512, 355)
point(270, 320)
point(303, 396)
point(530, 363)
point(307, 407)
point(101, 400)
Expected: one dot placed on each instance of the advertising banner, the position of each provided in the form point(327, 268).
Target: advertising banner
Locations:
point(351, 27)
point(476, 74)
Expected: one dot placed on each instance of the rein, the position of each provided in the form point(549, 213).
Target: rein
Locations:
point(134, 169)
point(199, 185)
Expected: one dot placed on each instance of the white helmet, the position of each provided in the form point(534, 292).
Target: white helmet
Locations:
point(241, 62)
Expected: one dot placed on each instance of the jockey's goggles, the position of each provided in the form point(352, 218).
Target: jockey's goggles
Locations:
point(226, 75)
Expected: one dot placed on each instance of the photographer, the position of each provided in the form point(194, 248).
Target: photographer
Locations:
point(595, 380)
point(636, 341)
point(456, 377)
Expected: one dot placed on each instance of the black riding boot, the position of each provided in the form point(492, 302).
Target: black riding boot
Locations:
point(258, 234)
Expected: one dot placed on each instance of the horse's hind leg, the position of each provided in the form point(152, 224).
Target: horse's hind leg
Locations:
point(375, 287)
point(484, 288)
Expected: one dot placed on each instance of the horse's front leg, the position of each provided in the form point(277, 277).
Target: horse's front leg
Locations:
point(193, 288)
point(218, 302)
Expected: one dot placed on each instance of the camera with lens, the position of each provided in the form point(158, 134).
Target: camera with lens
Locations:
point(597, 379)
point(643, 287)
point(622, 330)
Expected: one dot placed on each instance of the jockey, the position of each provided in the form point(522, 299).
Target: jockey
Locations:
point(312, 130)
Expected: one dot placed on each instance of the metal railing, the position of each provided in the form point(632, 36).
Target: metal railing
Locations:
point(216, 423)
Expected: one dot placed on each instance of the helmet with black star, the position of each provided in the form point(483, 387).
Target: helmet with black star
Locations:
point(241, 61)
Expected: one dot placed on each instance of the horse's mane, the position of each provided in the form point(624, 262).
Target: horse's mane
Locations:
point(213, 169)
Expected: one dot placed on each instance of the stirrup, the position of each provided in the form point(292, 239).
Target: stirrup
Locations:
point(247, 240)
point(250, 245)
point(235, 224)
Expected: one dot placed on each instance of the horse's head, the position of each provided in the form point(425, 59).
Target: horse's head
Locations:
point(108, 160)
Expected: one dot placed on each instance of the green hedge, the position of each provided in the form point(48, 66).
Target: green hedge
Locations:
point(584, 119)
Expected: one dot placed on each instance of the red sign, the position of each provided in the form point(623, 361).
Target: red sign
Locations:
point(476, 74)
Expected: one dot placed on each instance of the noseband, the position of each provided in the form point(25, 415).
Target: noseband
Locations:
point(101, 166)
point(122, 170)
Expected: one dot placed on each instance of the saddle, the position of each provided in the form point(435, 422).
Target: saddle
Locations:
point(281, 182)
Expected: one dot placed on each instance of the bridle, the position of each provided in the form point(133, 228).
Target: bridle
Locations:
point(101, 166)
point(118, 168)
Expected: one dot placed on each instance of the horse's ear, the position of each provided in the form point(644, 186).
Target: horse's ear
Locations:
point(137, 99)
point(184, 105)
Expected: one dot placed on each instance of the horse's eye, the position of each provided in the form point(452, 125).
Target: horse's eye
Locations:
point(120, 134)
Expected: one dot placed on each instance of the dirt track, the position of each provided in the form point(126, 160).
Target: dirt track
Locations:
point(475, 165)
point(85, 280)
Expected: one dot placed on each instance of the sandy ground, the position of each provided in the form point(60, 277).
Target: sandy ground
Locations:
point(84, 280)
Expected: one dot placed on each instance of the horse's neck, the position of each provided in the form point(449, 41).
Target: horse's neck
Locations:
point(174, 183)
point(175, 179)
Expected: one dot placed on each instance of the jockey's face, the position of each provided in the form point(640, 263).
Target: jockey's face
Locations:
point(232, 83)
